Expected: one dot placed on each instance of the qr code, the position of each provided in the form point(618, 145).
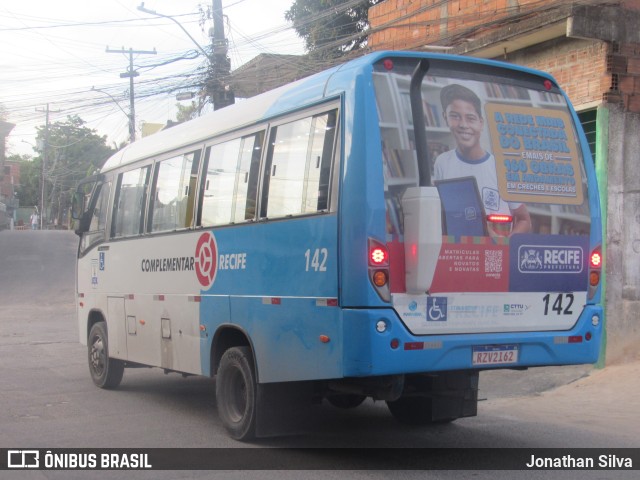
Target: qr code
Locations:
point(493, 261)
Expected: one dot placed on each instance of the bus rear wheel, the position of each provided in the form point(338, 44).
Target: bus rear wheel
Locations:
point(236, 393)
point(105, 372)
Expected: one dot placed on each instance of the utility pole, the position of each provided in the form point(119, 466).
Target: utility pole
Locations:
point(130, 74)
point(220, 65)
point(216, 86)
point(45, 154)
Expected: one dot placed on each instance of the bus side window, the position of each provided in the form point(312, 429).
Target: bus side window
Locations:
point(219, 183)
point(246, 192)
point(297, 173)
point(173, 193)
point(99, 217)
point(98, 225)
point(130, 201)
point(230, 183)
point(318, 175)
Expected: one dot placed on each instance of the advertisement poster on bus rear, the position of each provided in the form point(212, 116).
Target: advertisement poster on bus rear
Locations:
point(536, 154)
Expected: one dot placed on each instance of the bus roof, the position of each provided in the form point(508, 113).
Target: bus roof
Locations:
point(241, 114)
point(250, 111)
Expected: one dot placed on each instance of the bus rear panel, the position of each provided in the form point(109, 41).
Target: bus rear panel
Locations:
point(492, 261)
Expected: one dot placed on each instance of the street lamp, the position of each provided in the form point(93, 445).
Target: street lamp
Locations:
point(131, 126)
point(153, 12)
point(219, 65)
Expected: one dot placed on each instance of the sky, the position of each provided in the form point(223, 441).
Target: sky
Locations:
point(53, 52)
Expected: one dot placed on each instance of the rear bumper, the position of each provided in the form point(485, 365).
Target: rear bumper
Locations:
point(396, 351)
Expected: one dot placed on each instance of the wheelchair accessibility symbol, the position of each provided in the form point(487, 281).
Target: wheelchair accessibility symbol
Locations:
point(436, 309)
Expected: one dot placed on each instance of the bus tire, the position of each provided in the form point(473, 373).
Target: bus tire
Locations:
point(236, 393)
point(105, 372)
point(414, 411)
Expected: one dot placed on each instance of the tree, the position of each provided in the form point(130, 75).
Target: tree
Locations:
point(28, 191)
point(73, 152)
point(331, 28)
point(187, 112)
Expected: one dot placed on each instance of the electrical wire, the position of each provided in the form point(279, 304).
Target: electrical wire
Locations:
point(194, 67)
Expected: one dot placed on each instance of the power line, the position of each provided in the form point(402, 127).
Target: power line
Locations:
point(79, 100)
point(80, 24)
point(130, 74)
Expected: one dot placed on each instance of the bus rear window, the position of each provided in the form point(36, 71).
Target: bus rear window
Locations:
point(511, 135)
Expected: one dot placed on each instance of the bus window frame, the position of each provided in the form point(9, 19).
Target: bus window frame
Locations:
point(326, 107)
point(203, 148)
point(197, 152)
point(146, 163)
point(87, 215)
point(204, 165)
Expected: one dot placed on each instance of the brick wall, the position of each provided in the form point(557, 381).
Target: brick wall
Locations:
point(588, 70)
point(579, 66)
point(10, 172)
point(625, 66)
point(409, 24)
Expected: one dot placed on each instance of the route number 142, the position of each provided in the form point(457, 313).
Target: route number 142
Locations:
point(560, 304)
point(318, 260)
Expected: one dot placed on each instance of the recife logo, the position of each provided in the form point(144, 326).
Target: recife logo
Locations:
point(530, 260)
point(206, 259)
point(550, 259)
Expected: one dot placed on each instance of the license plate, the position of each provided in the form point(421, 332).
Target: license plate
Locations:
point(495, 355)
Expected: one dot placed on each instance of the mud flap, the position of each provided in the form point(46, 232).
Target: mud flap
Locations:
point(284, 408)
point(455, 395)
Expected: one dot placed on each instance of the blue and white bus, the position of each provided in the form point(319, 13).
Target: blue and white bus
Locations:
point(387, 228)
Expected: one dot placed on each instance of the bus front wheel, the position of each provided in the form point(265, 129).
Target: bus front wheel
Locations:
point(236, 393)
point(105, 372)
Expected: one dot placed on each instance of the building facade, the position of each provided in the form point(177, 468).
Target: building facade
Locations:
point(9, 172)
point(593, 50)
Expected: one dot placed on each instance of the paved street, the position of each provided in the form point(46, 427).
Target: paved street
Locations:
point(47, 399)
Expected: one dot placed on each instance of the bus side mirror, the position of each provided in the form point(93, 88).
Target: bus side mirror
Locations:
point(78, 213)
point(77, 205)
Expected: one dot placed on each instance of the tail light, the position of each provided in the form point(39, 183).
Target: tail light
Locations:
point(595, 269)
point(378, 255)
point(499, 218)
point(378, 261)
point(380, 278)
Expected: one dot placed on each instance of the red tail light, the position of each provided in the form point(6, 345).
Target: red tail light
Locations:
point(595, 264)
point(499, 218)
point(378, 262)
point(378, 255)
